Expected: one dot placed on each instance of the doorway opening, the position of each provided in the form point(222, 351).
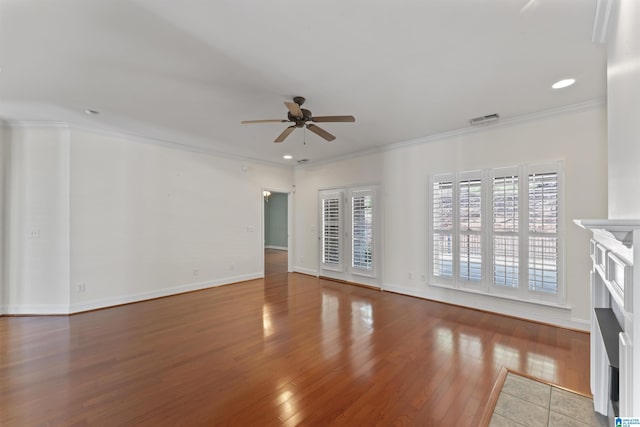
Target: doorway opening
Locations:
point(276, 228)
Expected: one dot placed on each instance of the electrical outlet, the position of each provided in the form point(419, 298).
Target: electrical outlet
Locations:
point(35, 233)
point(81, 288)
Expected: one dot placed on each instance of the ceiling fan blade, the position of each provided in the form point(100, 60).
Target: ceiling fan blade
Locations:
point(326, 119)
point(246, 122)
point(321, 132)
point(285, 134)
point(294, 109)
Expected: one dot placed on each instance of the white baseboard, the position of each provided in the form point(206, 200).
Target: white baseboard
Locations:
point(524, 310)
point(122, 299)
point(545, 314)
point(142, 296)
point(280, 248)
point(38, 309)
point(303, 270)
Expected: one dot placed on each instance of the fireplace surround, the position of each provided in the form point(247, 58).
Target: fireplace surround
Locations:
point(615, 330)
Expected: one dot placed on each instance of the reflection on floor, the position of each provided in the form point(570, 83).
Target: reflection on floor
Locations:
point(275, 262)
point(289, 349)
point(526, 402)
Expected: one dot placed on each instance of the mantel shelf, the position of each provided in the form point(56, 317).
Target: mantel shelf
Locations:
point(619, 229)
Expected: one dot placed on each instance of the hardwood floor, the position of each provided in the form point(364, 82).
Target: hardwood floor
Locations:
point(287, 350)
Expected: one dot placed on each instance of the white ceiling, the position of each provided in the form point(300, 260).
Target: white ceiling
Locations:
point(189, 71)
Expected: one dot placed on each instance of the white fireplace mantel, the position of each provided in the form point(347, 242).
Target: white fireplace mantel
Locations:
point(619, 229)
point(615, 292)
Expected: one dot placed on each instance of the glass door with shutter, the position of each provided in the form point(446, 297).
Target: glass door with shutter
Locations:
point(348, 244)
point(331, 240)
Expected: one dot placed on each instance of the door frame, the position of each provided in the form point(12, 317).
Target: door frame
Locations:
point(347, 273)
point(290, 239)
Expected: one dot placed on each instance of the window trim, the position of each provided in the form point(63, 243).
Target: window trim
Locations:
point(486, 286)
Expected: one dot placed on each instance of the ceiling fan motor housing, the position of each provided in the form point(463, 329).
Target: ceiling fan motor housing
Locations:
point(300, 121)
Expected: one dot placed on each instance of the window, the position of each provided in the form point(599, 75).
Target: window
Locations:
point(470, 215)
point(362, 230)
point(331, 225)
point(505, 231)
point(497, 231)
point(442, 228)
point(543, 228)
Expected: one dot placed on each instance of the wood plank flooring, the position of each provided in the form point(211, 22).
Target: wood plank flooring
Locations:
point(287, 350)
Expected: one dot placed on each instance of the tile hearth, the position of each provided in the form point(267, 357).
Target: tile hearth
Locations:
point(526, 402)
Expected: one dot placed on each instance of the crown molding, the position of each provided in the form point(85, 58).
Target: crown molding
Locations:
point(601, 20)
point(136, 138)
point(163, 142)
point(501, 123)
point(36, 124)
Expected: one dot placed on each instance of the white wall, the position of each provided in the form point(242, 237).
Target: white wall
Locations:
point(623, 102)
point(95, 220)
point(4, 168)
point(578, 138)
point(37, 240)
point(148, 220)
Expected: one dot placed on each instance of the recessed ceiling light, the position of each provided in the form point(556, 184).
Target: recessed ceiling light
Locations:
point(91, 112)
point(563, 83)
point(287, 156)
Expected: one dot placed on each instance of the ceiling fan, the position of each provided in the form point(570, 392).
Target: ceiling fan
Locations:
point(300, 116)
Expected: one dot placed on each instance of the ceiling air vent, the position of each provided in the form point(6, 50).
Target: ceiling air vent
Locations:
point(484, 119)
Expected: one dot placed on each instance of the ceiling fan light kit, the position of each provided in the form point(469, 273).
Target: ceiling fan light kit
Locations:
point(300, 118)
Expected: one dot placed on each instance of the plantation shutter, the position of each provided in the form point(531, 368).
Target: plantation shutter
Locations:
point(499, 232)
point(505, 230)
point(331, 236)
point(362, 230)
point(470, 219)
point(543, 232)
point(442, 217)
